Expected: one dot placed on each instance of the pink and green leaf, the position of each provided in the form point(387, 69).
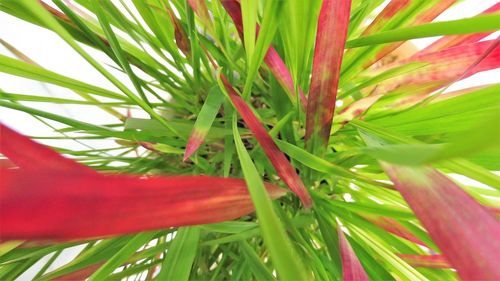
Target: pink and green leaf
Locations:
point(427, 261)
point(392, 9)
point(201, 10)
point(393, 226)
point(352, 270)
point(481, 23)
point(204, 121)
point(333, 19)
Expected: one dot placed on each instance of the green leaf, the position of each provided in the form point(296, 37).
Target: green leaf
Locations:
point(266, 33)
point(249, 11)
point(30, 71)
point(122, 255)
point(282, 253)
point(180, 255)
point(483, 136)
point(259, 269)
point(115, 46)
point(460, 166)
point(483, 23)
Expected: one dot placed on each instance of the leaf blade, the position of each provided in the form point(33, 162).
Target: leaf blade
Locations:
point(282, 253)
point(333, 19)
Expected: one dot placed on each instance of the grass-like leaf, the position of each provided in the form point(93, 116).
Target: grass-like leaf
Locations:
point(482, 23)
point(456, 40)
point(333, 19)
point(282, 253)
point(351, 267)
point(180, 256)
point(431, 261)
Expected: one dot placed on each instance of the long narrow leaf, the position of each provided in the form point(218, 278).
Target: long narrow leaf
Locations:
point(122, 255)
point(282, 252)
point(180, 255)
point(425, 17)
point(108, 204)
point(283, 167)
point(443, 67)
point(333, 19)
point(393, 226)
point(483, 23)
point(30, 71)
point(351, 267)
point(456, 40)
point(431, 261)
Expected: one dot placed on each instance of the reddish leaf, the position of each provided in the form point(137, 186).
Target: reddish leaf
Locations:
point(195, 140)
point(52, 197)
point(466, 232)
point(433, 261)
point(282, 75)
point(58, 14)
point(352, 270)
point(444, 67)
point(495, 210)
point(6, 163)
point(32, 206)
point(394, 227)
point(333, 20)
point(29, 155)
point(456, 40)
point(272, 58)
point(81, 274)
point(426, 16)
point(451, 63)
point(283, 167)
point(181, 38)
point(477, 62)
point(196, 5)
point(394, 7)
